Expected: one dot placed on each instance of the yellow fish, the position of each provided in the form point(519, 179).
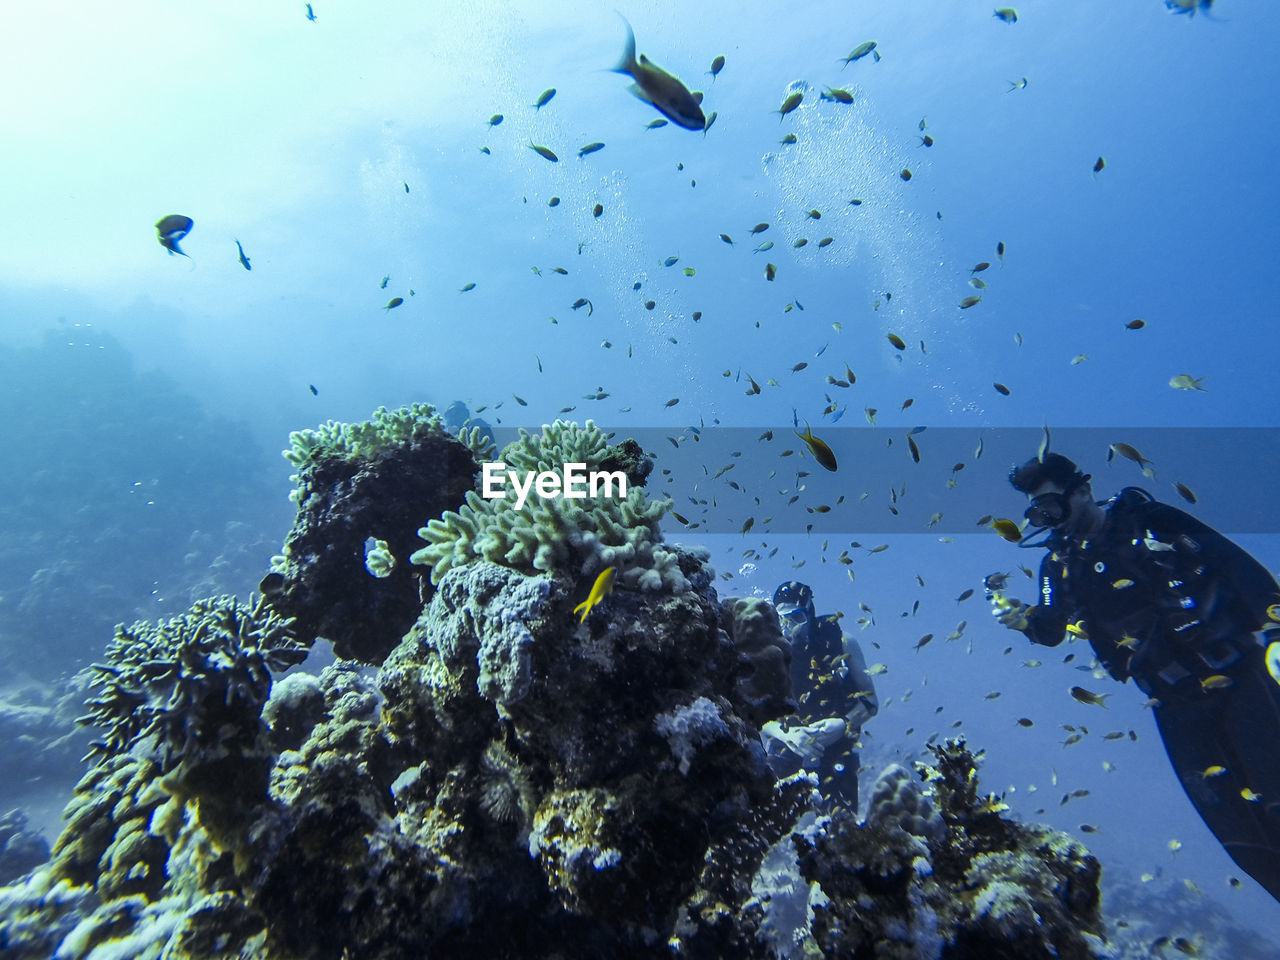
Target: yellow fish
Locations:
point(599, 590)
point(1007, 529)
point(1077, 629)
point(821, 452)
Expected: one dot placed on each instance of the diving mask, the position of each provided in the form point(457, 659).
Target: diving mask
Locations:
point(1054, 509)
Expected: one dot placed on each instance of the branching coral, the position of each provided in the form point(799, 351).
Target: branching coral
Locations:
point(179, 683)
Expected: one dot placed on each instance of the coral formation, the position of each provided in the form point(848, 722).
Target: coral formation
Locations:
point(510, 781)
point(354, 482)
point(580, 536)
point(937, 872)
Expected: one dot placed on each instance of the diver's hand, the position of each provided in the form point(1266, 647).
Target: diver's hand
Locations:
point(1010, 613)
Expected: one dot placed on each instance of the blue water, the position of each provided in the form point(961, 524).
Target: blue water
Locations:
point(148, 395)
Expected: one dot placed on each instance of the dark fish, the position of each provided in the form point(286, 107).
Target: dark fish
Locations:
point(393, 303)
point(660, 89)
point(590, 148)
point(244, 261)
point(314, 391)
point(544, 98)
point(311, 14)
point(716, 66)
point(544, 152)
point(171, 229)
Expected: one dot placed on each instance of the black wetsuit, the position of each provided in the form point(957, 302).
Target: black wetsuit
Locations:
point(1176, 606)
point(827, 681)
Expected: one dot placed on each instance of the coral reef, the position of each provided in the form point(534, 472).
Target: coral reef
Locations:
point(935, 871)
point(580, 536)
point(356, 482)
point(510, 780)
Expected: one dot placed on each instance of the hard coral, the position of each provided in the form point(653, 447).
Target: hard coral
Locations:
point(355, 482)
point(190, 683)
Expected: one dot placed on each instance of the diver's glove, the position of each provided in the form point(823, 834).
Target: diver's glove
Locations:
point(1010, 613)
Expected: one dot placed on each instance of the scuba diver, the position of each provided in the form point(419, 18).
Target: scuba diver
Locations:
point(1175, 606)
point(833, 690)
point(457, 418)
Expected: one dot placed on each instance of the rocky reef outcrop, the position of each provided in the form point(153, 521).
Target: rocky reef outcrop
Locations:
point(486, 771)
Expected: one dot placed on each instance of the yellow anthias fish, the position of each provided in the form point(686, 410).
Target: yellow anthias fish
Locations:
point(821, 452)
point(655, 86)
point(599, 590)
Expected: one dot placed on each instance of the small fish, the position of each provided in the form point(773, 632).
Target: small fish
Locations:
point(1079, 358)
point(764, 247)
point(544, 98)
point(672, 402)
point(905, 173)
point(1137, 324)
point(897, 341)
point(1217, 681)
point(171, 229)
point(660, 89)
point(1007, 14)
point(519, 400)
point(1185, 492)
point(826, 242)
point(1087, 696)
point(583, 302)
point(860, 51)
point(590, 148)
point(1183, 381)
point(792, 101)
point(467, 287)
point(1077, 629)
point(495, 120)
point(926, 141)
point(1000, 250)
point(314, 391)
point(1099, 164)
point(836, 94)
point(1253, 797)
point(1001, 389)
point(821, 452)
point(597, 210)
point(770, 271)
point(393, 303)
point(788, 140)
point(385, 281)
point(716, 66)
point(311, 14)
point(544, 152)
point(968, 302)
point(244, 261)
point(599, 590)
point(1017, 85)
point(1007, 529)
point(657, 124)
point(1129, 453)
